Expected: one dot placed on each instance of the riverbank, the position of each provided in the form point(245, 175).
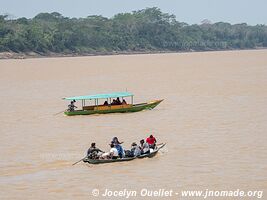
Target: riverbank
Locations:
point(14, 55)
point(25, 55)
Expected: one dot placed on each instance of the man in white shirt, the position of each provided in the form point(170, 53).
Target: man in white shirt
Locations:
point(112, 154)
point(144, 147)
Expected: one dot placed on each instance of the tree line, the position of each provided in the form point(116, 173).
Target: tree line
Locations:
point(139, 31)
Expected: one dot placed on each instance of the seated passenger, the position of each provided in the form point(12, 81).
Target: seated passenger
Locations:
point(105, 103)
point(93, 152)
point(124, 102)
point(118, 101)
point(135, 150)
point(120, 150)
point(144, 147)
point(114, 102)
point(118, 146)
point(151, 140)
point(112, 154)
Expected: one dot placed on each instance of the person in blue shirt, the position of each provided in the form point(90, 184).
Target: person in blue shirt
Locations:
point(118, 146)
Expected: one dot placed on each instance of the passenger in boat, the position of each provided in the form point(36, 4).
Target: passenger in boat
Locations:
point(71, 106)
point(118, 146)
point(105, 103)
point(135, 150)
point(112, 154)
point(144, 147)
point(118, 101)
point(124, 102)
point(120, 149)
point(151, 140)
point(93, 152)
point(114, 102)
point(131, 152)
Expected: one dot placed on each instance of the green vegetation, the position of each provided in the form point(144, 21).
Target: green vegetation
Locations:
point(145, 30)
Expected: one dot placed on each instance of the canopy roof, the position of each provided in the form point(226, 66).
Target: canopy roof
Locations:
point(100, 96)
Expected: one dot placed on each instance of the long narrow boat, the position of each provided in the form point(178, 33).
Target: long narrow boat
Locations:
point(108, 107)
point(149, 155)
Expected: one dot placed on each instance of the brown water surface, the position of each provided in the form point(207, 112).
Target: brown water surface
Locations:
point(213, 119)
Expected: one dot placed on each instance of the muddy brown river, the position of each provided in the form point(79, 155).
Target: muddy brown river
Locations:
point(213, 119)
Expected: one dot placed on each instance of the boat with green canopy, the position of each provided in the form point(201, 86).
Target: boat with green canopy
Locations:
point(114, 103)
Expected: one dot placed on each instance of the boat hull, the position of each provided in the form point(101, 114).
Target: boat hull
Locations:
point(92, 161)
point(115, 109)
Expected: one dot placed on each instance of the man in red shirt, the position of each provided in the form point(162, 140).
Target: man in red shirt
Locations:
point(151, 140)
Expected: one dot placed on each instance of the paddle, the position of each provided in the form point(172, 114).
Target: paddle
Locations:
point(79, 161)
point(59, 112)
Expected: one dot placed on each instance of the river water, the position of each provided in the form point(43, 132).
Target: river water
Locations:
point(213, 119)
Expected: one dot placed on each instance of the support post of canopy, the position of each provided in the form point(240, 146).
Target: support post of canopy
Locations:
point(132, 99)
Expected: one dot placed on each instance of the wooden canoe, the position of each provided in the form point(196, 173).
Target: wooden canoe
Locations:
point(149, 155)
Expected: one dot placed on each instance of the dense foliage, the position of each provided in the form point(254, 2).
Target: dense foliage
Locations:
point(144, 30)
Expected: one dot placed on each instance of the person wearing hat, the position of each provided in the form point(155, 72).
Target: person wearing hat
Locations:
point(151, 140)
point(93, 152)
